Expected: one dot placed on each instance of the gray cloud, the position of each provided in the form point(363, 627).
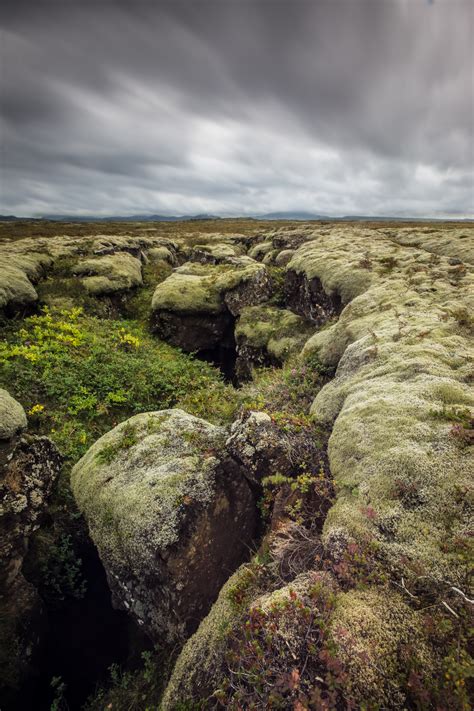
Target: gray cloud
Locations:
point(237, 106)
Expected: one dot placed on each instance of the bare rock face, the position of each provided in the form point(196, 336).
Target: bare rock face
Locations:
point(257, 443)
point(308, 298)
point(171, 515)
point(29, 469)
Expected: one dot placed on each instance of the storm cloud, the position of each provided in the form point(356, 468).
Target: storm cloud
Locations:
point(237, 107)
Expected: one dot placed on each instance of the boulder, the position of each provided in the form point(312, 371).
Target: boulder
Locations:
point(12, 416)
point(260, 250)
point(214, 253)
point(258, 444)
point(16, 290)
point(283, 257)
point(267, 335)
point(111, 273)
point(171, 515)
point(165, 254)
point(195, 307)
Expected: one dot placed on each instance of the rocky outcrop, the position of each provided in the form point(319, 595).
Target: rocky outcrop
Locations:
point(214, 253)
point(171, 515)
point(109, 274)
point(162, 253)
point(400, 452)
point(257, 443)
point(29, 469)
point(309, 299)
point(195, 307)
point(267, 335)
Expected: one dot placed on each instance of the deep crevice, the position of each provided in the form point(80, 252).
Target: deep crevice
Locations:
point(85, 636)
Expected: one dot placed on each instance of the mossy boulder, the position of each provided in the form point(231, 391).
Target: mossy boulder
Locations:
point(283, 257)
point(171, 516)
point(12, 416)
point(195, 307)
point(259, 251)
point(400, 404)
point(111, 273)
point(267, 335)
point(16, 290)
point(214, 253)
point(165, 254)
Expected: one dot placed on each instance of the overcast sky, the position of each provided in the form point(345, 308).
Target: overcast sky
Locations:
point(237, 107)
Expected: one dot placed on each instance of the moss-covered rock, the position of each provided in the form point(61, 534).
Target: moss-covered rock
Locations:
point(214, 253)
point(283, 257)
point(194, 308)
point(111, 273)
point(12, 416)
point(16, 290)
point(404, 358)
point(170, 515)
point(165, 254)
point(379, 639)
point(260, 250)
point(267, 335)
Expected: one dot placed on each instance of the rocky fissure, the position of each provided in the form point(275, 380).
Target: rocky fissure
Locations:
point(309, 299)
point(209, 535)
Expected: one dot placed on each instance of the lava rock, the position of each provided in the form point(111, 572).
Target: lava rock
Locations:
point(29, 468)
point(171, 515)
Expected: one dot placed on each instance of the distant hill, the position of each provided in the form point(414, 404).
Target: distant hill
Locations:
point(295, 216)
point(127, 218)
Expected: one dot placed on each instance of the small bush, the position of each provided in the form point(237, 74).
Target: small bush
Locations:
point(78, 376)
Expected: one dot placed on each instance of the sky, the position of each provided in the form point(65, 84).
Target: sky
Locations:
point(237, 107)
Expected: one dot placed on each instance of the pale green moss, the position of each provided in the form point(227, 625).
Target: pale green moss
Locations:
point(110, 273)
point(401, 356)
point(279, 331)
point(12, 416)
point(15, 287)
point(157, 254)
point(371, 629)
point(200, 288)
point(450, 242)
point(131, 483)
point(220, 252)
point(260, 250)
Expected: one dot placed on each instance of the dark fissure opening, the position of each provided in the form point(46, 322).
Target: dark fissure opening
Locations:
point(222, 354)
point(84, 638)
point(223, 357)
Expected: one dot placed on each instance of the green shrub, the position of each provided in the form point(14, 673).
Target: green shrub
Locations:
point(78, 376)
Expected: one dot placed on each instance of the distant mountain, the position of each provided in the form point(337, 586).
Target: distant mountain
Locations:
point(295, 216)
point(292, 216)
point(127, 218)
